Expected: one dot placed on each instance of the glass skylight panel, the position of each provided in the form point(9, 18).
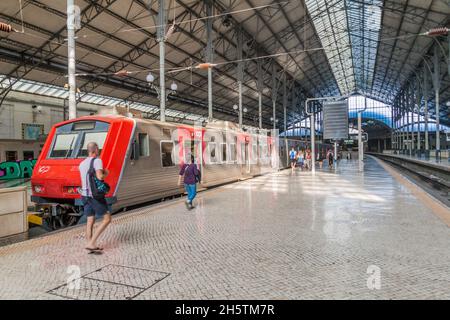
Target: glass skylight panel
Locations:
point(349, 31)
point(364, 21)
point(331, 27)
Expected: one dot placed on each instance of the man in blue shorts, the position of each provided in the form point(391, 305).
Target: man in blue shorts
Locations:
point(93, 207)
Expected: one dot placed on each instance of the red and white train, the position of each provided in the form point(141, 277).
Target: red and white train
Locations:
point(144, 158)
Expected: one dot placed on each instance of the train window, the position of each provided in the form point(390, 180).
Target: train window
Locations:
point(97, 137)
point(224, 152)
point(212, 152)
point(144, 149)
point(166, 153)
point(232, 152)
point(64, 145)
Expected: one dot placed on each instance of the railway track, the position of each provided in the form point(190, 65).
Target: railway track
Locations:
point(433, 178)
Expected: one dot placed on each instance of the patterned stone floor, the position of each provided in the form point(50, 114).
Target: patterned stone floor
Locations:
point(279, 236)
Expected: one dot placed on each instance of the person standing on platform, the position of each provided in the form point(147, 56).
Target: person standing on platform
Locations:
point(321, 157)
point(330, 159)
point(292, 156)
point(300, 157)
point(308, 159)
point(191, 177)
point(94, 203)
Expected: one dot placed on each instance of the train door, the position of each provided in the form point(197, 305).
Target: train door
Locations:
point(197, 149)
point(247, 156)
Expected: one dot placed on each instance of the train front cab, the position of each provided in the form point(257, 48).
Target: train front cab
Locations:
point(56, 178)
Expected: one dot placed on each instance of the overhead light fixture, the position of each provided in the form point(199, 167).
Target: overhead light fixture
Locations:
point(235, 107)
point(150, 78)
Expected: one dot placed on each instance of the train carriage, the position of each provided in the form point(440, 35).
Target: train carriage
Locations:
point(144, 159)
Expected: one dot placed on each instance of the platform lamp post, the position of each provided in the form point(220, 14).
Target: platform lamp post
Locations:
point(236, 109)
point(162, 92)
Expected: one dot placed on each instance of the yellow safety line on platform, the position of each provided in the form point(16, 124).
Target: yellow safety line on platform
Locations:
point(439, 209)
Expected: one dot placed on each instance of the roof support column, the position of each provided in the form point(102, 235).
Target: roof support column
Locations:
point(408, 119)
point(209, 56)
point(274, 95)
point(411, 110)
point(418, 102)
point(284, 102)
point(162, 55)
point(71, 8)
point(402, 122)
point(437, 84)
point(260, 85)
point(392, 127)
point(240, 71)
point(425, 98)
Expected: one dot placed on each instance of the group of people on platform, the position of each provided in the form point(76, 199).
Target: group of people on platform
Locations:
point(302, 158)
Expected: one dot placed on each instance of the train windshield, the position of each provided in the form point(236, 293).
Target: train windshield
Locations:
point(71, 140)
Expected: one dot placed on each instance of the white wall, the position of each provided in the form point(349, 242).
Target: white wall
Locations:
point(17, 109)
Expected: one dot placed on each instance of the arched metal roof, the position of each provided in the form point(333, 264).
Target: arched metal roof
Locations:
point(330, 47)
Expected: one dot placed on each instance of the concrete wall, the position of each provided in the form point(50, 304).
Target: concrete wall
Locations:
point(20, 146)
point(17, 110)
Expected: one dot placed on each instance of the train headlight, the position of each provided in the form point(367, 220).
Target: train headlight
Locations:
point(71, 190)
point(38, 188)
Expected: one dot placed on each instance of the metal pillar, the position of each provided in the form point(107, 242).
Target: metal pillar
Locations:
point(408, 128)
point(425, 98)
point(274, 95)
point(437, 84)
point(240, 72)
point(284, 102)
point(360, 143)
point(418, 102)
point(162, 54)
point(71, 59)
point(260, 83)
point(313, 143)
point(209, 57)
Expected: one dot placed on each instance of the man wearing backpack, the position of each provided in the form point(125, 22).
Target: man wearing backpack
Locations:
point(191, 177)
point(94, 202)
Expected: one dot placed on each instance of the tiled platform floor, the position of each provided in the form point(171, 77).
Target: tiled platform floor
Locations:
point(279, 236)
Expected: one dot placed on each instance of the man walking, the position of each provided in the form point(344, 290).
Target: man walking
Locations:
point(93, 207)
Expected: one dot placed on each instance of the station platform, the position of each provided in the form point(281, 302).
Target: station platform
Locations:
point(443, 163)
point(279, 236)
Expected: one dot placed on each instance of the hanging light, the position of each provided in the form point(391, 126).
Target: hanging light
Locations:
point(150, 78)
point(245, 110)
point(235, 107)
point(173, 86)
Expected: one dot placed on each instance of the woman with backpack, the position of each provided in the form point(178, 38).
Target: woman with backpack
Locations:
point(191, 178)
